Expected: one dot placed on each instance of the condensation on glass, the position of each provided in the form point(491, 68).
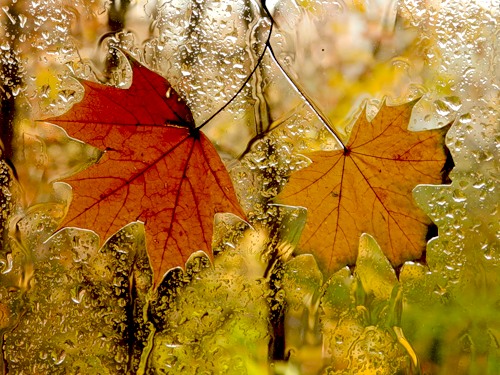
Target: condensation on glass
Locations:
point(73, 303)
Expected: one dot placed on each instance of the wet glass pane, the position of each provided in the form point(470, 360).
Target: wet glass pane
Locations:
point(249, 187)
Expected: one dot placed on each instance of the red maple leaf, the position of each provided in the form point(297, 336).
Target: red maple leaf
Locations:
point(157, 167)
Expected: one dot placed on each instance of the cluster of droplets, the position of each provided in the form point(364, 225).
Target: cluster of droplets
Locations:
point(270, 160)
point(455, 40)
point(360, 50)
point(77, 310)
point(213, 318)
point(53, 25)
point(348, 324)
point(40, 27)
point(9, 296)
point(6, 202)
point(466, 210)
point(207, 50)
point(463, 260)
point(265, 170)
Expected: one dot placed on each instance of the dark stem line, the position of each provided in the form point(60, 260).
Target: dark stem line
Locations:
point(302, 93)
point(310, 102)
point(254, 69)
point(298, 87)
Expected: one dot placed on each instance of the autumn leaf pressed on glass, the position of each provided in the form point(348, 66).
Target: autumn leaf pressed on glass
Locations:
point(157, 168)
point(366, 187)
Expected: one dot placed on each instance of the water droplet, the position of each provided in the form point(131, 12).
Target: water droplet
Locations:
point(67, 95)
point(459, 196)
point(465, 118)
point(441, 108)
point(22, 20)
point(7, 13)
point(44, 91)
point(58, 358)
point(77, 294)
point(453, 102)
point(6, 264)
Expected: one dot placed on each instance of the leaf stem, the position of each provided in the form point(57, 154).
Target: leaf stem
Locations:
point(326, 122)
point(302, 93)
point(257, 64)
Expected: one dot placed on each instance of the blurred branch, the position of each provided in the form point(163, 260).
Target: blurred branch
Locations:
point(117, 15)
point(11, 74)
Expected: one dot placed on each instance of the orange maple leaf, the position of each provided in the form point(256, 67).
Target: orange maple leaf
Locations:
point(157, 167)
point(366, 187)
